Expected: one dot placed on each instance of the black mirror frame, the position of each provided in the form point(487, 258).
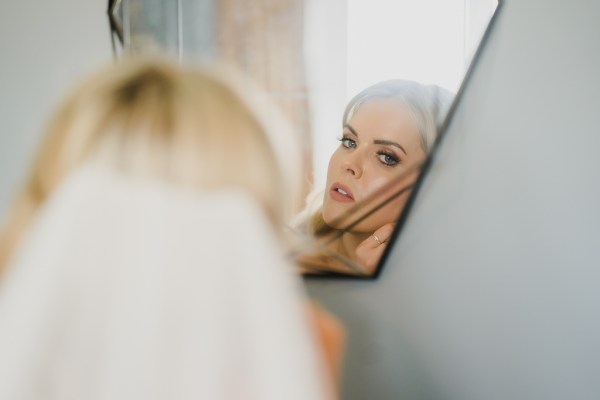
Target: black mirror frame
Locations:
point(116, 26)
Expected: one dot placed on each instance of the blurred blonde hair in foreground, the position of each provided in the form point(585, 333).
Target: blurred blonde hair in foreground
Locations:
point(151, 118)
point(143, 259)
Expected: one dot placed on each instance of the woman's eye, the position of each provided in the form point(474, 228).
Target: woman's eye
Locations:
point(388, 159)
point(348, 143)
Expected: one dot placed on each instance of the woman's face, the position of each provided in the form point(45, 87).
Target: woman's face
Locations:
point(379, 142)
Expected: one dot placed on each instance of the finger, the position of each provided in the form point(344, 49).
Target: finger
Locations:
point(369, 255)
point(372, 242)
point(385, 232)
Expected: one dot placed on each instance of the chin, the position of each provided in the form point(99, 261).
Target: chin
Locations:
point(332, 214)
point(331, 217)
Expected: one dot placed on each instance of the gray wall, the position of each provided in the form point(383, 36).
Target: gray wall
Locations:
point(45, 47)
point(492, 290)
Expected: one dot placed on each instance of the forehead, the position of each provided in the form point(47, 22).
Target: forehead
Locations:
point(385, 118)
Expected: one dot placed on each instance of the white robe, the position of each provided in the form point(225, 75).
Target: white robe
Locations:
point(129, 289)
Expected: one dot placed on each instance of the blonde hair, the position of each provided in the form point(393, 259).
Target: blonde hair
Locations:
point(428, 104)
point(155, 119)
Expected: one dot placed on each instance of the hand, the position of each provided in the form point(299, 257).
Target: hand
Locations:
point(370, 250)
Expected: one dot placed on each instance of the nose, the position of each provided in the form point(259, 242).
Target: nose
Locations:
point(352, 165)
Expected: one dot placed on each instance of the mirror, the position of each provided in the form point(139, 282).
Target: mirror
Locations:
point(366, 83)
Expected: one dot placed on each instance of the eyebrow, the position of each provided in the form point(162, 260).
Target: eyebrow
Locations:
point(378, 141)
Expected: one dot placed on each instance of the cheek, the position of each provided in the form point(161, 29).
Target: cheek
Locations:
point(330, 211)
point(330, 168)
point(391, 211)
point(385, 215)
point(375, 183)
point(335, 168)
point(334, 163)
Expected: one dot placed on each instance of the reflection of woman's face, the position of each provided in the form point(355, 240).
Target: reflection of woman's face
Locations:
point(379, 142)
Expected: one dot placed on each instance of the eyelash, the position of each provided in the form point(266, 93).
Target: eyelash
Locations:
point(382, 155)
point(345, 139)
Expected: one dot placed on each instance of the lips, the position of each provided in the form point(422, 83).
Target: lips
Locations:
point(341, 193)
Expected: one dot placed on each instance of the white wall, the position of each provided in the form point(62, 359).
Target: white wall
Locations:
point(45, 47)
